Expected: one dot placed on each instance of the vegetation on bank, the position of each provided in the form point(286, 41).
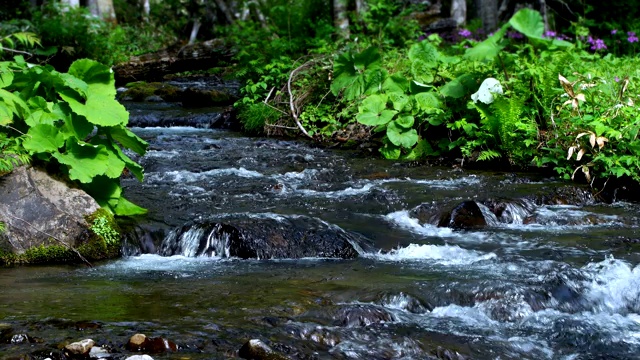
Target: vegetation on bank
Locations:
point(559, 101)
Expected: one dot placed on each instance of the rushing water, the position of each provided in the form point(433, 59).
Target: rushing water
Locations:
point(566, 286)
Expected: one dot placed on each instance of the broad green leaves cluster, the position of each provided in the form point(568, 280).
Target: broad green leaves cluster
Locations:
point(421, 106)
point(73, 119)
point(398, 105)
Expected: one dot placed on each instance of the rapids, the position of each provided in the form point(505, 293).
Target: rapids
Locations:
point(566, 286)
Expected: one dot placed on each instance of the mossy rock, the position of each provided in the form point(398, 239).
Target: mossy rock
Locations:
point(141, 91)
point(101, 241)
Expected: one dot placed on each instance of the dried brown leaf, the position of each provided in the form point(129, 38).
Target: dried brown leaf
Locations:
point(600, 140)
point(570, 152)
point(567, 86)
point(580, 154)
point(592, 140)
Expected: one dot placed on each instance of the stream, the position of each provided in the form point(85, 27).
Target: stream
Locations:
point(563, 286)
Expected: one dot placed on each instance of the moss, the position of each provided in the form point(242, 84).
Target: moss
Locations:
point(139, 91)
point(101, 241)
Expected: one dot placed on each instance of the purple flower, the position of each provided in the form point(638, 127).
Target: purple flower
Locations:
point(597, 44)
point(464, 33)
point(515, 35)
point(614, 31)
point(549, 33)
point(617, 79)
point(632, 37)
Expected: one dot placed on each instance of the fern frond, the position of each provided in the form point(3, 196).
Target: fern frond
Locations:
point(488, 155)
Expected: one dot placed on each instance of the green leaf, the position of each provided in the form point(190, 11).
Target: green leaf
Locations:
point(76, 84)
point(6, 115)
point(390, 151)
point(134, 167)
point(115, 165)
point(529, 22)
point(395, 83)
point(400, 101)
point(104, 190)
point(127, 208)
point(43, 138)
point(453, 89)
point(6, 77)
point(14, 103)
point(405, 121)
point(489, 48)
point(100, 107)
point(85, 161)
point(428, 102)
point(374, 119)
point(401, 137)
point(128, 139)
point(369, 59)
point(424, 52)
point(422, 72)
point(422, 149)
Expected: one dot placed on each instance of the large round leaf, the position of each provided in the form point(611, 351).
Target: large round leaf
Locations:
point(401, 137)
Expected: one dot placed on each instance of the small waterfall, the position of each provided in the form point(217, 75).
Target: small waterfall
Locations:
point(199, 240)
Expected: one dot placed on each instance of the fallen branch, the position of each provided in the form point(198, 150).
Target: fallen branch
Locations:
point(291, 99)
point(54, 238)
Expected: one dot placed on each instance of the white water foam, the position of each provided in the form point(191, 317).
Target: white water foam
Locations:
point(183, 176)
point(614, 286)
point(441, 254)
point(151, 262)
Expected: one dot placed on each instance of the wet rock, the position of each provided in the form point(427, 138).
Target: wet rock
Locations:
point(139, 357)
point(362, 315)
point(466, 215)
point(255, 349)
point(35, 206)
point(142, 343)
point(79, 349)
point(446, 354)
point(86, 325)
point(405, 302)
point(263, 237)
point(565, 195)
point(510, 211)
point(22, 338)
point(99, 353)
point(427, 213)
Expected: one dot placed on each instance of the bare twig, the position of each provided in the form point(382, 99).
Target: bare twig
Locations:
point(292, 106)
point(266, 100)
point(17, 51)
point(282, 126)
point(54, 238)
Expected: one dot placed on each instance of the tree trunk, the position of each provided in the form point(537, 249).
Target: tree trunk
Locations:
point(545, 15)
point(225, 10)
point(459, 11)
point(361, 7)
point(146, 9)
point(340, 18)
point(70, 3)
point(103, 9)
point(488, 11)
point(194, 31)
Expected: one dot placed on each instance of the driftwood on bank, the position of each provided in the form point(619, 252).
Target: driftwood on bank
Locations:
point(154, 66)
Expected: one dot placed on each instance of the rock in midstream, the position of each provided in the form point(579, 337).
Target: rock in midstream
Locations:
point(264, 236)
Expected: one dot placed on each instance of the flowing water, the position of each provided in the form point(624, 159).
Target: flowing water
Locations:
point(565, 286)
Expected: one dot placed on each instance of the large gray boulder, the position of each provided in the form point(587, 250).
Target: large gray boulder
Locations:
point(37, 209)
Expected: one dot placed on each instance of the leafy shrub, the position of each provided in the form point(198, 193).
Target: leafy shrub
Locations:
point(254, 117)
point(73, 120)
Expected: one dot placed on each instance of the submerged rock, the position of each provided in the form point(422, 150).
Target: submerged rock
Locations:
point(263, 237)
point(255, 349)
point(362, 315)
point(142, 343)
